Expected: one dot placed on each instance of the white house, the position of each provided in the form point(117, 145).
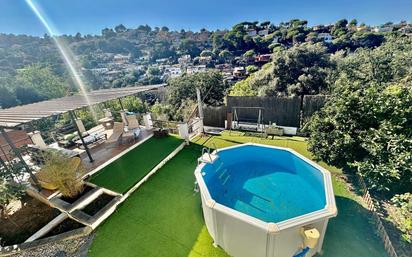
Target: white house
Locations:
point(263, 32)
point(184, 59)
point(196, 69)
point(121, 59)
point(326, 37)
point(252, 33)
point(174, 72)
point(383, 29)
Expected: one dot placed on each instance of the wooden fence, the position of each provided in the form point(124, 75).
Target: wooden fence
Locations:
point(376, 219)
point(283, 111)
point(214, 116)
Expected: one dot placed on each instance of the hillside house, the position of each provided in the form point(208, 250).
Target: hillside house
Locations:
point(121, 59)
point(263, 58)
point(203, 60)
point(252, 33)
point(239, 72)
point(173, 72)
point(195, 69)
point(184, 59)
point(263, 32)
point(325, 37)
point(383, 29)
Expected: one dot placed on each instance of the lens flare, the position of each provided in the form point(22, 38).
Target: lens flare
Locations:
point(65, 52)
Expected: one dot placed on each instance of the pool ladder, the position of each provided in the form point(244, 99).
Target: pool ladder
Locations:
point(207, 150)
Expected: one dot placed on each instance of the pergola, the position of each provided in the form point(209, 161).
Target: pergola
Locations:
point(20, 115)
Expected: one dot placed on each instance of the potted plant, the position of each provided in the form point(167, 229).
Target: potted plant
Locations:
point(59, 172)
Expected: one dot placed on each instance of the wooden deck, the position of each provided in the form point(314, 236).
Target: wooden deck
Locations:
point(102, 153)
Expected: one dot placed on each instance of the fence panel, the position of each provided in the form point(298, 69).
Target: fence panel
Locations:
point(214, 116)
point(312, 104)
point(284, 111)
point(280, 110)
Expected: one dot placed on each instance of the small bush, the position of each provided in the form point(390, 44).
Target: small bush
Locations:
point(403, 215)
point(65, 173)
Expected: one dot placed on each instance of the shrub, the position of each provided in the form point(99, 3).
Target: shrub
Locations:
point(65, 173)
point(403, 215)
point(367, 122)
point(9, 191)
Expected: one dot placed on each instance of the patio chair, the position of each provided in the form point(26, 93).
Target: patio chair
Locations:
point(116, 137)
point(132, 121)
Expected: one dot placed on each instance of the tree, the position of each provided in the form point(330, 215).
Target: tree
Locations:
point(188, 46)
point(368, 39)
point(225, 55)
point(27, 95)
point(211, 85)
point(42, 80)
point(366, 123)
point(300, 70)
point(65, 173)
point(206, 53)
point(7, 98)
point(339, 28)
point(353, 23)
point(153, 71)
point(120, 28)
point(249, 53)
point(108, 33)
point(264, 24)
point(251, 68)
point(9, 191)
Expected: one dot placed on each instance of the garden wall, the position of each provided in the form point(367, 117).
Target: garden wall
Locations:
point(284, 111)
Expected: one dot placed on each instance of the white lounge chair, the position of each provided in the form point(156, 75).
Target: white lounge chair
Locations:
point(132, 122)
point(116, 137)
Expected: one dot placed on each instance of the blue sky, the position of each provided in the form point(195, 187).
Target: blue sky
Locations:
point(90, 16)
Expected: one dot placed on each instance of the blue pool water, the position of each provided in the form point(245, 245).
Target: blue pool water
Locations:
point(270, 184)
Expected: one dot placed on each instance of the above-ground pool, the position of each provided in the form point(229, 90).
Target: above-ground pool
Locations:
point(265, 201)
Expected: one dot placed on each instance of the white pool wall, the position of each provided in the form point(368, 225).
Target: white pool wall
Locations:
point(241, 235)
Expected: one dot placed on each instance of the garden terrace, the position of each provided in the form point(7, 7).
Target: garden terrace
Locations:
point(164, 216)
point(122, 174)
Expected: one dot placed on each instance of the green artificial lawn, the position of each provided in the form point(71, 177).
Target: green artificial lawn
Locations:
point(164, 217)
point(122, 174)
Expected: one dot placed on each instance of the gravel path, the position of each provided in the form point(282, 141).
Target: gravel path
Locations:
point(67, 248)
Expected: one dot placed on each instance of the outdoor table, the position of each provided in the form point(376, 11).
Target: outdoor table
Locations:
point(107, 122)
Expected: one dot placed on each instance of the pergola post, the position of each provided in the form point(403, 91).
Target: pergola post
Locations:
point(73, 116)
point(17, 153)
point(121, 104)
point(200, 109)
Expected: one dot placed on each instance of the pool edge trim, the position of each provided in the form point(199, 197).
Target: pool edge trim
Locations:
point(328, 211)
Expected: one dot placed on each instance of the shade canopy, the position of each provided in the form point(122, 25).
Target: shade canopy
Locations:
point(16, 116)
